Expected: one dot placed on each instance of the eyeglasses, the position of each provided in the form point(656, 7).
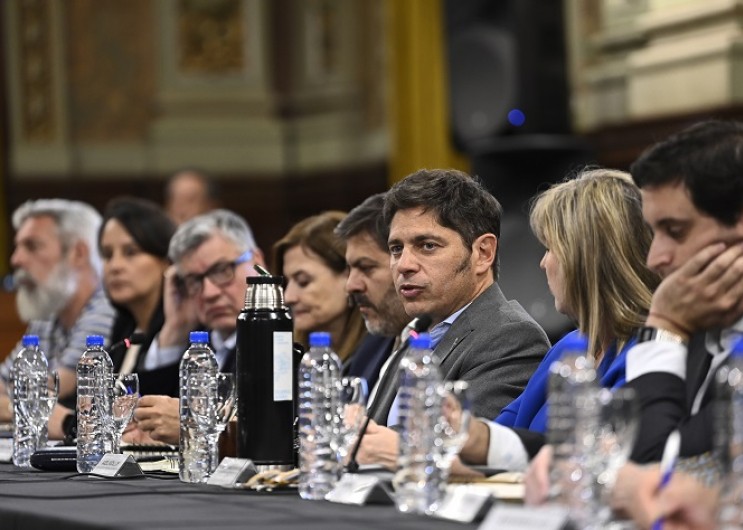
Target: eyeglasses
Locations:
point(220, 274)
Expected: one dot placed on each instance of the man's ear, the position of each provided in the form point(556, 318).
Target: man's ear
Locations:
point(79, 255)
point(484, 250)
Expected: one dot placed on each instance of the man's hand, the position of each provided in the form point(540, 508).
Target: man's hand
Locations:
point(180, 313)
point(380, 445)
point(54, 426)
point(683, 504)
point(461, 471)
point(705, 292)
point(475, 450)
point(159, 418)
point(634, 494)
point(139, 437)
point(537, 478)
point(6, 406)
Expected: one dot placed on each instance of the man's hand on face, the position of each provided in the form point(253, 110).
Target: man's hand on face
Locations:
point(180, 312)
point(706, 292)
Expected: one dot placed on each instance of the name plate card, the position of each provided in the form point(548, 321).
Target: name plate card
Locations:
point(360, 489)
point(464, 504)
point(509, 517)
point(117, 466)
point(231, 471)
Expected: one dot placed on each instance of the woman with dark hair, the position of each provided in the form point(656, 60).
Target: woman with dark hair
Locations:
point(312, 258)
point(133, 243)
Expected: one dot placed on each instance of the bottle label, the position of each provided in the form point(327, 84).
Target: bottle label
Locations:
point(282, 366)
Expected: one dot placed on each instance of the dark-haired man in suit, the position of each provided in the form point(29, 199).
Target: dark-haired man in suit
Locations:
point(443, 242)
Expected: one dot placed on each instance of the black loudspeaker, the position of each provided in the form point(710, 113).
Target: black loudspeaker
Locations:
point(509, 114)
point(507, 72)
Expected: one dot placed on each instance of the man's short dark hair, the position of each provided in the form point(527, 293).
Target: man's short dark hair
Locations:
point(707, 158)
point(458, 201)
point(366, 218)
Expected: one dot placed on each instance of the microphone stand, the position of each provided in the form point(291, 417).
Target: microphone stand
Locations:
point(418, 325)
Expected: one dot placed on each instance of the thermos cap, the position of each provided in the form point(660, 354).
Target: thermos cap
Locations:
point(94, 340)
point(30, 340)
point(320, 339)
point(198, 337)
point(264, 280)
point(264, 292)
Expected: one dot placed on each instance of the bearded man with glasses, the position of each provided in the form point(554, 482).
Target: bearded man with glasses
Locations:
point(212, 254)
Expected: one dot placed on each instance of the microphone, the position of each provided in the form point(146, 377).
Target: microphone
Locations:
point(136, 338)
point(387, 388)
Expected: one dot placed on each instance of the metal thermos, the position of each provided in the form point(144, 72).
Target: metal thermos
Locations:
point(266, 375)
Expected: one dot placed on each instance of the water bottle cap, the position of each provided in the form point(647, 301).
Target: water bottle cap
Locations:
point(94, 340)
point(422, 341)
point(198, 337)
point(30, 340)
point(575, 342)
point(320, 338)
point(737, 348)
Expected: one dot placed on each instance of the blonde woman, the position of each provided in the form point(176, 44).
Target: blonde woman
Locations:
point(596, 241)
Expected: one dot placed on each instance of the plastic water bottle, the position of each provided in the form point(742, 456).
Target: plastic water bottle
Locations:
point(728, 435)
point(319, 418)
point(30, 369)
point(571, 421)
point(419, 483)
point(197, 458)
point(94, 400)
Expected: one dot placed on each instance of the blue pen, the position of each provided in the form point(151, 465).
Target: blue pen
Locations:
point(667, 464)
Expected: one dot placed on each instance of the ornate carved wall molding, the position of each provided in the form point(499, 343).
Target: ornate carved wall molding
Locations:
point(38, 122)
point(643, 59)
point(105, 88)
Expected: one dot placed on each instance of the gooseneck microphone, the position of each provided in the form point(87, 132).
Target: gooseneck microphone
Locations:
point(69, 422)
point(136, 338)
point(387, 387)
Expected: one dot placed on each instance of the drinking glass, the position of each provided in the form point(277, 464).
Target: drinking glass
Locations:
point(453, 428)
point(615, 437)
point(213, 408)
point(352, 404)
point(46, 392)
point(124, 401)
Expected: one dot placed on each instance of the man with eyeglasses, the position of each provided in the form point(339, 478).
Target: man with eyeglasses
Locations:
point(211, 254)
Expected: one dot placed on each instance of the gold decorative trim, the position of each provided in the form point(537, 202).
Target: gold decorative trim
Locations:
point(37, 120)
point(211, 36)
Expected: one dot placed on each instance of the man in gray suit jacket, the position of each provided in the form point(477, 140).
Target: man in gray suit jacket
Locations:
point(443, 242)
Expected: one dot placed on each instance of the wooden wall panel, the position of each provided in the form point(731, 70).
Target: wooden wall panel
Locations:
point(269, 204)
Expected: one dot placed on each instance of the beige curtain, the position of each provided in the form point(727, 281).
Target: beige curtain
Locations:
point(418, 93)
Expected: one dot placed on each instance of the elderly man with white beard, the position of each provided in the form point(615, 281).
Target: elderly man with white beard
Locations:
point(57, 274)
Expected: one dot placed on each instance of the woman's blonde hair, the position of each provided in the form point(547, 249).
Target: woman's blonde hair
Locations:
point(317, 234)
point(593, 225)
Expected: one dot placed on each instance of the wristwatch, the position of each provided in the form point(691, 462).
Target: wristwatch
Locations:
point(649, 334)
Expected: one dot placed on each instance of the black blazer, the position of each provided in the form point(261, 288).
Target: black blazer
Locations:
point(665, 404)
point(160, 381)
point(368, 358)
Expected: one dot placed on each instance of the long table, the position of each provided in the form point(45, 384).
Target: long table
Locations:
point(61, 501)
